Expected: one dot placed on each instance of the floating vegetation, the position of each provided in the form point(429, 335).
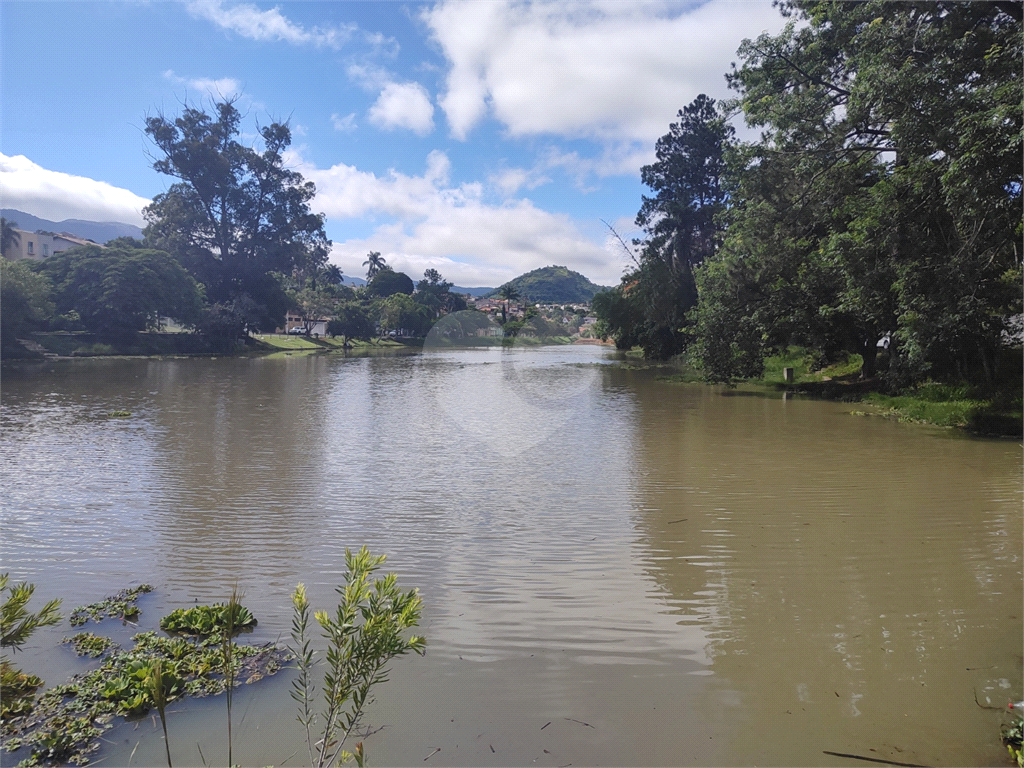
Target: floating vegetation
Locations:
point(88, 644)
point(119, 414)
point(67, 721)
point(19, 691)
point(120, 606)
point(203, 620)
point(1012, 738)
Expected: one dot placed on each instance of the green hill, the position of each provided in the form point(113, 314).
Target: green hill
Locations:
point(554, 285)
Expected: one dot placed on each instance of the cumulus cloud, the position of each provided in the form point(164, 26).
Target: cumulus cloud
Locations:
point(425, 222)
point(612, 71)
point(249, 21)
point(404, 105)
point(33, 189)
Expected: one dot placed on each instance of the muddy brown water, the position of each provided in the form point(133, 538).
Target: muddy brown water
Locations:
point(616, 569)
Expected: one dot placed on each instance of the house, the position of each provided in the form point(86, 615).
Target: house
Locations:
point(39, 245)
point(293, 320)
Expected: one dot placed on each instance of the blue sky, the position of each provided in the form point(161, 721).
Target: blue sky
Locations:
point(483, 139)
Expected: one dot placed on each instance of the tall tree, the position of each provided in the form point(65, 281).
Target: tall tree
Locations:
point(237, 215)
point(374, 263)
point(680, 218)
point(434, 291)
point(886, 193)
point(681, 221)
point(509, 293)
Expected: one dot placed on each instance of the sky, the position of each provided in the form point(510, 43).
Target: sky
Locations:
point(482, 139)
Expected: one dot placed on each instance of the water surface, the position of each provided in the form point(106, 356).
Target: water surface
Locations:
point(615, 569)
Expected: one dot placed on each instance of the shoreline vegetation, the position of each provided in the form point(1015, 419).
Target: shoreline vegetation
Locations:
point(198, 655)
point(985, 410)
point(72, 346)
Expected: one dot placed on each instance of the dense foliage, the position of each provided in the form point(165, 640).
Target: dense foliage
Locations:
point(24, 301)
point(386, 282)
point(883, 199)
point(120, 290)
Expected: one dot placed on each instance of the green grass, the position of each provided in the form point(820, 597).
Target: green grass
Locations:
point(984, 410)
point(288, 342)
point(972, 408)
point(795, 358)
point(278, 341)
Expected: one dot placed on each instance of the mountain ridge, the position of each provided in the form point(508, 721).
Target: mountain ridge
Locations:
point(97, 231)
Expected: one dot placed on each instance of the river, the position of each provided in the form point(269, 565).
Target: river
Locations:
point(616, 568)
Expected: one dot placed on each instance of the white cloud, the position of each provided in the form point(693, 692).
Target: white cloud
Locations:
point(404, 105)
point(612, 70)
point(428, 223)
point(508, 181)
point(249, 21)
point(222, 88)
point(345, 124)
point(28, 187)
point(368, 76)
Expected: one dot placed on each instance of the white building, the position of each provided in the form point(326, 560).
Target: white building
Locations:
point(39, 245)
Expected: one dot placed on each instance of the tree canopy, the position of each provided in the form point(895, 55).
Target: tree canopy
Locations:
point(387, 282)
point(237, 215)
point(118, 291)
point(434, 291)
point(883, 197)
point(24, 301)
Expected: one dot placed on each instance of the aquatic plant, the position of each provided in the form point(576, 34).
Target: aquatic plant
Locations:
point(120, 606)
point(1013, 737)
point(16, 626)
point(231, 613)
point(66, 721)
point(88, 644)
point(119, 414)
point(18, 690)
point(363, 636)
point(204, 620)
point(16, 623)
point(162, 685)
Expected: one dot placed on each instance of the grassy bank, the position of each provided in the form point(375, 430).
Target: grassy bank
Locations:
point(278, 341)
point(984, 409)
point(990, 409)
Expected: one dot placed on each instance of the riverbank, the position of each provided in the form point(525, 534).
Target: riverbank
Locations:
point(988, 410)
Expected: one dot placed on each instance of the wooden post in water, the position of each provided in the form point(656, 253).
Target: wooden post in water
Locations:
point(787, 375)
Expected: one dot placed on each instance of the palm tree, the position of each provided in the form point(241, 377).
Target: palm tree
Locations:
point(9, 236)
point(333, 274)
point(375, 262)
point(509, 293)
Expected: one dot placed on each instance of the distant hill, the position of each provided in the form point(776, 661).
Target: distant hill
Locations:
point(471, 291)
point(97, 231)
point(557, 285)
